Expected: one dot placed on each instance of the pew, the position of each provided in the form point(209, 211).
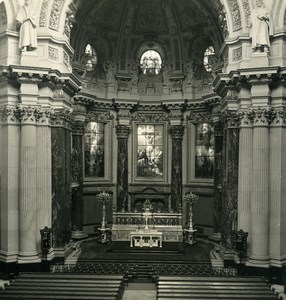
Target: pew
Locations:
point(185, 287)
point(42, 286)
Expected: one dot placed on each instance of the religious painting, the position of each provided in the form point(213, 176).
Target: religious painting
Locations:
point(150, 151)
point(204, 151)
point(94, 149)
point(151, 62)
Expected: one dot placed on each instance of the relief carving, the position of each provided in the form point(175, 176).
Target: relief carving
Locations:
point(3, 15)
point(55, 14)
point(235, 12)
point(237, 54)
point(44, 13)
point(53, 53)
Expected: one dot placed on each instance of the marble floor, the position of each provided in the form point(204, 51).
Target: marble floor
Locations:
point(140, 291)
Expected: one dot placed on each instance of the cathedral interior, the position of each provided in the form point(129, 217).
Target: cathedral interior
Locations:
point(142, 134)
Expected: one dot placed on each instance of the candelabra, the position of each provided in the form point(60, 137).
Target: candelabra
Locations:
point(103, 198)
point(191, 198)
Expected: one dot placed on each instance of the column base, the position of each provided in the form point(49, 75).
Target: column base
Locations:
point(28, 258)
point(78, 235)
point(260, 262)
point(215, 237)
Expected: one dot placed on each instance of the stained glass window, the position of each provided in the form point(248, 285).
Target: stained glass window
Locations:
point(90, 58)
point(209, 58)
point(150, 151)
point(204, 151)
point(94, 150)
point(151, 62)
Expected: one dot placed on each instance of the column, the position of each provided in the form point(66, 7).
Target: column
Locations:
point(122, 132)
point(77, 178)
point(245, 174)
point(260, 190)
point(230, 182)
point(28, 183)
point(218, 180)
point(44, 179)
point(9, 184)
point(277, 188)
point(177, 133)
point(61, 181)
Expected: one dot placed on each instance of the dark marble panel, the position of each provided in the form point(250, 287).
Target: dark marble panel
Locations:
point(122, 175)
point(218, 182)
point(77, 177)
point(61, 186)
point(176, 186)
point(230, 186)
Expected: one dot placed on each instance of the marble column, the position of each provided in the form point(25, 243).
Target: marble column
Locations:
point(230, 184)
point(61, 186)
point(28, 197)
point(122, 132)
point(9, 185)
point(277, 175)
point(77, 179)
point(44, 180)
point(245, 175)
point(260, 191)
point(177, 133)
point(218, 178)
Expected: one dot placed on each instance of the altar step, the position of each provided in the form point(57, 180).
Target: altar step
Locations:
point(150, 270)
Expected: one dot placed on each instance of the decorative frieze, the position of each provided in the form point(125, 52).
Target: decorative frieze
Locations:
point(150, 117)
point(3, 15)
point(200, 117)
point(99, 116)
point(44, 13)
point(26, 115)
point(235, 13)
point(53, 53)
point(237, 54)
point(55, 14)
point(247, 13)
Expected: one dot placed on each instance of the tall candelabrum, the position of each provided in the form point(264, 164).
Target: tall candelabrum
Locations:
point(103, 198)
point(191, 198)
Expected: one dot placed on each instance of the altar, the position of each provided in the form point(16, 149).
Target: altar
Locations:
point(147, 228)
point(143, 238)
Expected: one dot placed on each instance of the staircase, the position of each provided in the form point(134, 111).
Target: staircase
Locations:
point(42, 286)
point(195, 288)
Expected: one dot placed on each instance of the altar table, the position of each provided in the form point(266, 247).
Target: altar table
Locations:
point(146, 238)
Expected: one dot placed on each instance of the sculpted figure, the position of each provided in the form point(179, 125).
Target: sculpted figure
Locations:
point(134, 69)
point(261, 28)
point(27, 23)
point(166, 75)
point(109, 68)
point(191, 70)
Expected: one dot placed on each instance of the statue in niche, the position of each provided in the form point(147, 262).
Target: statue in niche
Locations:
point(191, 71)
point(109, 68)
point(27, 23)
point(134, 69)
point(261, 28)
point(166, 69)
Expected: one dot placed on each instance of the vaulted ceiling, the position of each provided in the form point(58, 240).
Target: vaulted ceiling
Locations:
point(116, 28)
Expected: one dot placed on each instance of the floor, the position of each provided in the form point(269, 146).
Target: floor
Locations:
point(140, 291)
point(199, 252)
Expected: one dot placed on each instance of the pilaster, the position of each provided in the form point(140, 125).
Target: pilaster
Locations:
point(177, 134)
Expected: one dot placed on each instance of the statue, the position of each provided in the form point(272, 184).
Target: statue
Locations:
point(134, 69)
point(27, 22)
point(191, 70)
point(109, 68)
point(261, 28)
point(166, 75)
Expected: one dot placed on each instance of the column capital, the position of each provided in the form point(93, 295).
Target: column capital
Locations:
point(218, 128)
point(177, 132)
point(122, 131)
point(26, 114)
point(78, 127)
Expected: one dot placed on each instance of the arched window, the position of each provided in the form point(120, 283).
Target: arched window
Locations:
point(90, 58)
point(209, 57)
point(151, 62)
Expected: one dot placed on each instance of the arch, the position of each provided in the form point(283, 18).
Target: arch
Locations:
point(11, 7)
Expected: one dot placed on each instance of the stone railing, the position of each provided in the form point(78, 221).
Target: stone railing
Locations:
point(157, 219)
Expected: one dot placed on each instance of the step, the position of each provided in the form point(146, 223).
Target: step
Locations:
point(70, 276)
point(178, 291)
point(68, 285)
point(212, 296)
